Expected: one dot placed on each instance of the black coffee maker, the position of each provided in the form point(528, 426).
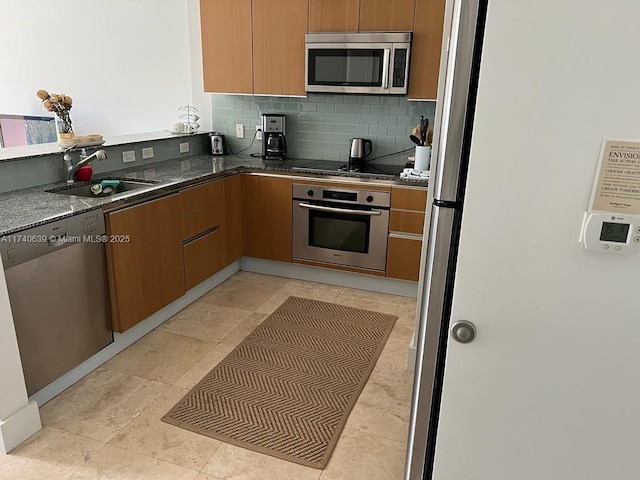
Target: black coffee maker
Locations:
point(274, 143)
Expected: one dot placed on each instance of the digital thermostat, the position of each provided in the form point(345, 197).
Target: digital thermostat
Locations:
point(611, 232)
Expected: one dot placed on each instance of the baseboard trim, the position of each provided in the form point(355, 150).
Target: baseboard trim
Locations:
point(330, 276)
point(123, 340)
point(19, 427)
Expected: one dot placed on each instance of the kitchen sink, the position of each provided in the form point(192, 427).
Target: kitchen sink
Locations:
point(85, 189)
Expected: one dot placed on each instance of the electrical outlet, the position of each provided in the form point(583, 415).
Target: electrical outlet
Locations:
point(147, 153)
point(258, 132)
point(129, 156)
point(239, 130)
point(184, 147)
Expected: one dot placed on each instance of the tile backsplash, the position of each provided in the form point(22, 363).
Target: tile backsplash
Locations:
point(321, 126)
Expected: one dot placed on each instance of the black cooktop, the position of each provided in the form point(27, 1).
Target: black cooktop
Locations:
point(364, 169)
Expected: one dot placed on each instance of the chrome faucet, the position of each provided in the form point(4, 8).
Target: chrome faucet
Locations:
point(84, 160)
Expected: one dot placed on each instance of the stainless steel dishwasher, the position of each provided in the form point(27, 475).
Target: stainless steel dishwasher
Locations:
point(57, 280)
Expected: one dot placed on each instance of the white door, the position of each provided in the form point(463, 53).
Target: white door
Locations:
point(550, 389)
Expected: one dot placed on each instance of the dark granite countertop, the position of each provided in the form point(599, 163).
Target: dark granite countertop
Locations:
point(26, 208)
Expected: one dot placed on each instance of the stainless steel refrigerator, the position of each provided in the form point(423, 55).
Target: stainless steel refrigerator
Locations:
point(459, 69)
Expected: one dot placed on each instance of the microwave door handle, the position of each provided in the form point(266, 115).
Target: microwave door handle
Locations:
point(385, 68)
point(369, 213)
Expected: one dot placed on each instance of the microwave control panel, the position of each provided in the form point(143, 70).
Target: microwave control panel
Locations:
point(608, 232)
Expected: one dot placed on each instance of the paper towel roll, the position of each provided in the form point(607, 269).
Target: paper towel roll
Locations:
point(423, 155)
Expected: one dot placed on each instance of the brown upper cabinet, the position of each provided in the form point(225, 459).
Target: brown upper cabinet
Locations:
point(333, 15)
point(227, 59)
point(425, 49)
point(361, 15)
point(253, 46)
point(279, 27)
point(386, 16)
point(257, 46)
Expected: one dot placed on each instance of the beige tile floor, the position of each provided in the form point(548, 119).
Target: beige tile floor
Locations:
point(107, 426)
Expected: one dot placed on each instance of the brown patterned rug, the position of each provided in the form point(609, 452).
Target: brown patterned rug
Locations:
point(288, 388)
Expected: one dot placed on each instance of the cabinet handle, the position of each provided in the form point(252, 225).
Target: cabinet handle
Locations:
point(369, 213)
point(405, 236)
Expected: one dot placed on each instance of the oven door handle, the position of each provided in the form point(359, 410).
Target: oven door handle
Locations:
point(370, 213)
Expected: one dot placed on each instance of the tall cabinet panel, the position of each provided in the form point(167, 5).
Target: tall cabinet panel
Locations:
point(279, 27)
point(426, 47)
point(386, 16)
point(231, 220)
point(226, 46)
point(333, 15)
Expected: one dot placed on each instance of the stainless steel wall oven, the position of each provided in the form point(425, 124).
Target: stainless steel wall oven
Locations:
point(341, 226)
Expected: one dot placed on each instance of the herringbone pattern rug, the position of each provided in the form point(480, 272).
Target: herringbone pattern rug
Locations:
point(288, 388)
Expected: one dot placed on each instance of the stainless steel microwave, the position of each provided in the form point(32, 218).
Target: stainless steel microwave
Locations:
point(376, 63)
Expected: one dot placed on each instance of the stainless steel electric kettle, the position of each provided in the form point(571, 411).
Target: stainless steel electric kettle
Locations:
point(359, 150)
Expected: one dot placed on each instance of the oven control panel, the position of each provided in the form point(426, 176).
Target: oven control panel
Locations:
point(348, 196)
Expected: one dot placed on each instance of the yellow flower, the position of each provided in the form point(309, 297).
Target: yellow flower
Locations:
point(42, 94)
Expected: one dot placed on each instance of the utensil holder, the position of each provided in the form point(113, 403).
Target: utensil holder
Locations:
point(422, 158)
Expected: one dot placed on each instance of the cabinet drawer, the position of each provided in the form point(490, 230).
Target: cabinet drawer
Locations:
point(201, 259)
point(403, 258)
point(200, 209)
point(409, 198)
point(197, 222)
point(406, 222)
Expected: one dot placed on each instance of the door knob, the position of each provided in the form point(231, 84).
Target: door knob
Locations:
point(463, 331)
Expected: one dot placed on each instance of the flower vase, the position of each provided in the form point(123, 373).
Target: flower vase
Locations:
point(64, 130)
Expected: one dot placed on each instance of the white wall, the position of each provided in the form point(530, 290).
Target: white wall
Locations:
point(126, 64)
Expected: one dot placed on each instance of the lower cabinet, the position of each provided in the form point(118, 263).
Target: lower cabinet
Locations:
point(201, 258)
point(403, 257)
point(146, 273)
point(406, 223)
point(267, 217)
point(231, 220)
point(176, 242)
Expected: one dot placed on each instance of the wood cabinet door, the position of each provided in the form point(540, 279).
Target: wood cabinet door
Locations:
point(146, 273)
point(201, 258)
point(333, 15)
point(267, 217)
point(425, 49)
point(227, 46)
point(231, 220)
point(386, 16)
point(403, 258)
point(279, 27)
